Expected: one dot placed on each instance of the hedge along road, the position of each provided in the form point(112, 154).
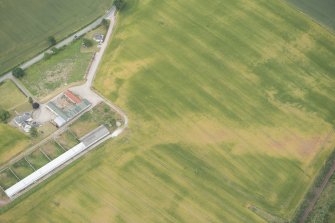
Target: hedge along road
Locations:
point(62, 43)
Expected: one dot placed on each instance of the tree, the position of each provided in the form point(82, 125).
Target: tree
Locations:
point(51, 40)
point(33, 132)
point(119, 4)
point(47, 56)
point(106, 109)
point(105, 23)
point(4, 115)
point(18, 72)
point(35, 105)
point(112, 122)
point(54, 50)
point(30, 99)
point(87, 42)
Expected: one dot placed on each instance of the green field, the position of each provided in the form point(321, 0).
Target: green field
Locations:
point(37, 159)
point(22, 168)
point(99, 115)
point(84, 125)
point(7, 179)
point(230, 105)
point(52, 149)
point(66, 67)
point(67, 140)
point(324, 211)
point(10, 95)
point(12, 142)
point(322, 11)
point(25, 25)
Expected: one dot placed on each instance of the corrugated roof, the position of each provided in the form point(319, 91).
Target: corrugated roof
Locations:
point(72, 97)
point(44, 170)
point(59, 121)
point(94, 136)
point(78, 108)
point(88, 140)
point(22, 118)
point(57, 110)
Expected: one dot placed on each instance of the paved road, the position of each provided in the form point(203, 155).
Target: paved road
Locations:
point(62, 43)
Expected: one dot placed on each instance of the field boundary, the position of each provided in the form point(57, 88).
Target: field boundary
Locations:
point(314, 192)
point(329, 29)
point(266, 215)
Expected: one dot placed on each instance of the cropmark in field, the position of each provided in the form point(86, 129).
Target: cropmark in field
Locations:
point(230, 106)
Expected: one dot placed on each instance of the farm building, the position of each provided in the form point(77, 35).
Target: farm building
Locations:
point(66, 107)
point(72, 97)
point(22, 119)
point(94, 136)
point(87, 141)
point(57, 111)
point(59, 121)
point(25, 121)
point(99, 38)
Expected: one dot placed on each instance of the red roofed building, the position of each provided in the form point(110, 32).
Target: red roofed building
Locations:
point(72, 97)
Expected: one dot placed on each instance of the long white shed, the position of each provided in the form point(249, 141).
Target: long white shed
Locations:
point(44, 170)
point(86, 141)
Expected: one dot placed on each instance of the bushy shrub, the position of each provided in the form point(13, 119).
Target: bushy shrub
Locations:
point(4, 115)
point(18, 72)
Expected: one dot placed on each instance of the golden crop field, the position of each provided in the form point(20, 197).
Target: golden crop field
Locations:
point(230, 105)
